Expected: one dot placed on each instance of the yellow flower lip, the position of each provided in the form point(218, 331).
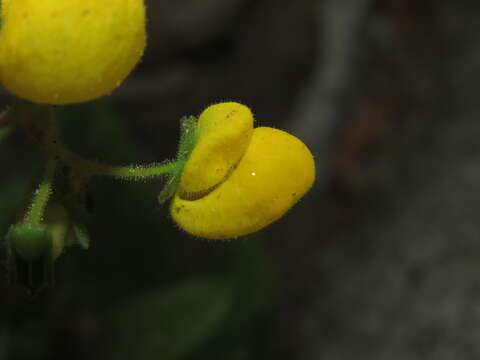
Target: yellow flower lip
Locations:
point(274, 171)
point(224, 132)
point(69, 51)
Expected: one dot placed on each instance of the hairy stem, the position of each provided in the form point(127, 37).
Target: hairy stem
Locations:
point(52, 144)
point(42, 194)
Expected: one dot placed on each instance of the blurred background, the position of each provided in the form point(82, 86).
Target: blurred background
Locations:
point(379, 261)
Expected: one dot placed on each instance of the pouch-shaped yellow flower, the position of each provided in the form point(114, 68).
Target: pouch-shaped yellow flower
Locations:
point(263, 173)
point(69, 51)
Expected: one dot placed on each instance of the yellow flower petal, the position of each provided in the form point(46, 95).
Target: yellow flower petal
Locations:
point(224, 133)
point(4, 5)
point(69, 51)
point(276, 170)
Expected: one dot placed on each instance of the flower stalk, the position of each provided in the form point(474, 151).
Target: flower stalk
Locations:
point(53, 145)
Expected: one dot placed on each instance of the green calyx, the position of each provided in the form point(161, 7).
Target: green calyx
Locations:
point(55, 218)
point(30, 242)
point(188, 140)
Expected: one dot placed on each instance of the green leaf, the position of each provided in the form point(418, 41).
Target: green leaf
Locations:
point(167, 324)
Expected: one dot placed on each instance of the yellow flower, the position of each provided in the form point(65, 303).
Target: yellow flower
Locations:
point(238, 179)
point(69, 51)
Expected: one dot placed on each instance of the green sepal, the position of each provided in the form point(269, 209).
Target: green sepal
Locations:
point(171, 184)
point(188, 140)
point(33, 248)
point(188, 137)
point(74, 201)
point(76, 206)
point(82, 238)
point(78, 218)
point(29, 242)
point(30, 263)
point(57, 221)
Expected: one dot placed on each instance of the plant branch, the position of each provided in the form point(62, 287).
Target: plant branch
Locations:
point(42, 194)
point(51, 143)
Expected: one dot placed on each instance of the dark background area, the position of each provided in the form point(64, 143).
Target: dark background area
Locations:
point(379, 261)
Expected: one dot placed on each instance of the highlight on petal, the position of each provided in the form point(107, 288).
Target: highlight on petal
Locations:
point(275, 171)
point(60, 52)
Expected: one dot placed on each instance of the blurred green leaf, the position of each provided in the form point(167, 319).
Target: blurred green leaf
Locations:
point(81, 235)
point(91, 129)
point(249, 270)
point(5, 132)
point(168, 323)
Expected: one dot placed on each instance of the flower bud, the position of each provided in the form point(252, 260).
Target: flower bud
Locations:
point(29, 242)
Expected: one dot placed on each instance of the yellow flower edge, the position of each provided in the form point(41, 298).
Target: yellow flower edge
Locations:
point(276, 170)
point(61, 52)
point(224, 132)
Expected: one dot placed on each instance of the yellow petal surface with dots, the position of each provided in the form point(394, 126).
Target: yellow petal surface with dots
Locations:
point(276, 170)
point(69, 51)
point(224, 132)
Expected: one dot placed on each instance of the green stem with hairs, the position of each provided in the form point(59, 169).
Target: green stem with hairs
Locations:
point(88, 168)
point(35, 214)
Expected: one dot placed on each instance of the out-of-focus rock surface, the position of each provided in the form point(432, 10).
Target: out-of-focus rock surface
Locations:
point(397, 273)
